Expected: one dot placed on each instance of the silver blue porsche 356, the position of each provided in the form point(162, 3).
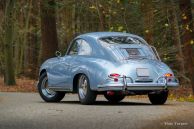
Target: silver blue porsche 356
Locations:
point(110, 63)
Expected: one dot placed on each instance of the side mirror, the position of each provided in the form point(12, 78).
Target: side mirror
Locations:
point(58, 54)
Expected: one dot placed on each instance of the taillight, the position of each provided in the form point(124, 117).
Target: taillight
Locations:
point(168, 75)
point(114, 75)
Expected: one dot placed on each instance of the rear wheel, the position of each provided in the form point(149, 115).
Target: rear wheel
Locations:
point(115, 98)
point(47, 94)
point(85, 94)
point(158, 98)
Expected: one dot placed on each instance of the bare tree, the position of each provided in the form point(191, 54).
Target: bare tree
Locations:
point(8, 43)
point(187, 38)
point(48, 29)
point(176, 38)
point(31, 56)
point(148, 19)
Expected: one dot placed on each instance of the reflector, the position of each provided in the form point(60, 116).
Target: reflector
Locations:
point(115, 75)
point(168, 75)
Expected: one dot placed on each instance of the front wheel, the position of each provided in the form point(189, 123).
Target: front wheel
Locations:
point(47, 94)
point(85, 94)
point(158, 98)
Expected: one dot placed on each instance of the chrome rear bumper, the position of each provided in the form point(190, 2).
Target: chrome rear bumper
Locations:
point(124, 85)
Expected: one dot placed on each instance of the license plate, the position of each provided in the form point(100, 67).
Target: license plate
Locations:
point(142, 72)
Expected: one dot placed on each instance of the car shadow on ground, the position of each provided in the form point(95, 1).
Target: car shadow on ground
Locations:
point(106, 103)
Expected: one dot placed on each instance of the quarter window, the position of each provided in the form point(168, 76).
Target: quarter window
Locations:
point(84, 48)
point(74, 49)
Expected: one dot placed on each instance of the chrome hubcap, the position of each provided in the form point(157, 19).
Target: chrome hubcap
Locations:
point(83, 84)
point(45, 90)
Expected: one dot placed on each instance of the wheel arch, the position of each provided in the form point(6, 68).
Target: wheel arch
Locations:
point(75, 80)
point(42, 71)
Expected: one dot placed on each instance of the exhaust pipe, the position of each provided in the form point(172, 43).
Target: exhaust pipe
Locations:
point(110, 93)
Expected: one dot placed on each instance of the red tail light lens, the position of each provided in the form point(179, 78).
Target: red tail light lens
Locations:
point(168, 75)
point(115, 75)
point(116, 79)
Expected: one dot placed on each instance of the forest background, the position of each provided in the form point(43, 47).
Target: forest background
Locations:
point(32, 30)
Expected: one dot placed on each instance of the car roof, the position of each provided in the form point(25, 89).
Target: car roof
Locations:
point(106, 34)
point(98, 35)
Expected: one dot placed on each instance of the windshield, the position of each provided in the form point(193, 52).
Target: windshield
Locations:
point(121, 40)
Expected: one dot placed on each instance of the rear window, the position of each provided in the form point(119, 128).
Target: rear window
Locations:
point(133, 51)
point(121, 40)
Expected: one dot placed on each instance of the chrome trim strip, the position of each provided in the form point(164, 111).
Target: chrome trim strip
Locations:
point(59, 88)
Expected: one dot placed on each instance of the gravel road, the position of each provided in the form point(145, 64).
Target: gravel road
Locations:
point(28, 111)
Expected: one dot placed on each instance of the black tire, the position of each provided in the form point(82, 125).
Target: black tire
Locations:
point(158, 98)
point(116, 98)
point(44, 92)
point(86, 96)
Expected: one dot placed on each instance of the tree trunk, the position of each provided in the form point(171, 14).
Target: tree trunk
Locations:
point(176, 39)
point(31, 55)
point(9, 78)
point(187, 38)
point(2, 8)
point(48, 29)
point(148, 19)
point(101, 16)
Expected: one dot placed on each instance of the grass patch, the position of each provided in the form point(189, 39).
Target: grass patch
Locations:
point(189, 98)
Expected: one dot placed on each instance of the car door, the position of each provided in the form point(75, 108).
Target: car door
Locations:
point(69, 61)
point(59, 73)
point(66, 67)
point(74, 58)
point(77, 52)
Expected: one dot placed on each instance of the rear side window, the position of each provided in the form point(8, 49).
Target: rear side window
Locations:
point(80, 47)
point(84, 48)
point(73, 49)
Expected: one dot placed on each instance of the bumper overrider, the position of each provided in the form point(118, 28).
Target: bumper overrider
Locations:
point(126, 83)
